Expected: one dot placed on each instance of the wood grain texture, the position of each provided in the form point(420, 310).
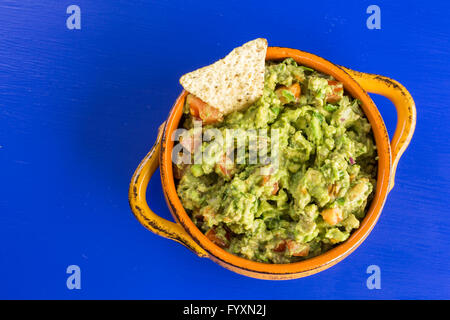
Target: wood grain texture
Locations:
point(80, 108)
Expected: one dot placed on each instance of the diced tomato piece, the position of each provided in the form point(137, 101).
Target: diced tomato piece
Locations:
point(212, 235)
point(294, 88)
point(203, 111)
point(337, 88)
point(211, 115)
point(332, 216)
point(296, 249)
point(194, 105)
point(333, 82)
point(280, 247)
point(299, 78)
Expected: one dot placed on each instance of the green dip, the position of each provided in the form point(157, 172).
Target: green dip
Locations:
point(319, 193)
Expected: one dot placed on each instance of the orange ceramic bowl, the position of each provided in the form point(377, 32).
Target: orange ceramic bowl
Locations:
point(186, 232)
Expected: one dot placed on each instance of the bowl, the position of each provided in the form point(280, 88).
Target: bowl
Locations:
point(184, 231)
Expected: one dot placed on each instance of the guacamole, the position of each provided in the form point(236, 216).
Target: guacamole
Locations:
point(304, 203)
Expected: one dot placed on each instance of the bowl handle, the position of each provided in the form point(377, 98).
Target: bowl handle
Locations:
point(406, 110)
point(140, 208)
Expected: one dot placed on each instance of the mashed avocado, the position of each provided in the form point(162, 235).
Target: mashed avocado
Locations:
point(316, 194)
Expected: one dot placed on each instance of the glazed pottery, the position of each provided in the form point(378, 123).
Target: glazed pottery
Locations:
point(184, 231)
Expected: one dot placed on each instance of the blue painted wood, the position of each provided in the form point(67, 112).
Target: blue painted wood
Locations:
point(80, 108)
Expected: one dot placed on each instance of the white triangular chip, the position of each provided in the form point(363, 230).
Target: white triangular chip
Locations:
point(233, 82)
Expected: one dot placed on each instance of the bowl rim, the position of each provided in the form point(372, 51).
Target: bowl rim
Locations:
point(328, 258)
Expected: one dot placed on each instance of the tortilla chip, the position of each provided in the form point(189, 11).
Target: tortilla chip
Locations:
point(233, 82)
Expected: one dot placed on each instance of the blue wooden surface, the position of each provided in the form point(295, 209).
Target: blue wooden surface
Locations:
point(80, 108)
